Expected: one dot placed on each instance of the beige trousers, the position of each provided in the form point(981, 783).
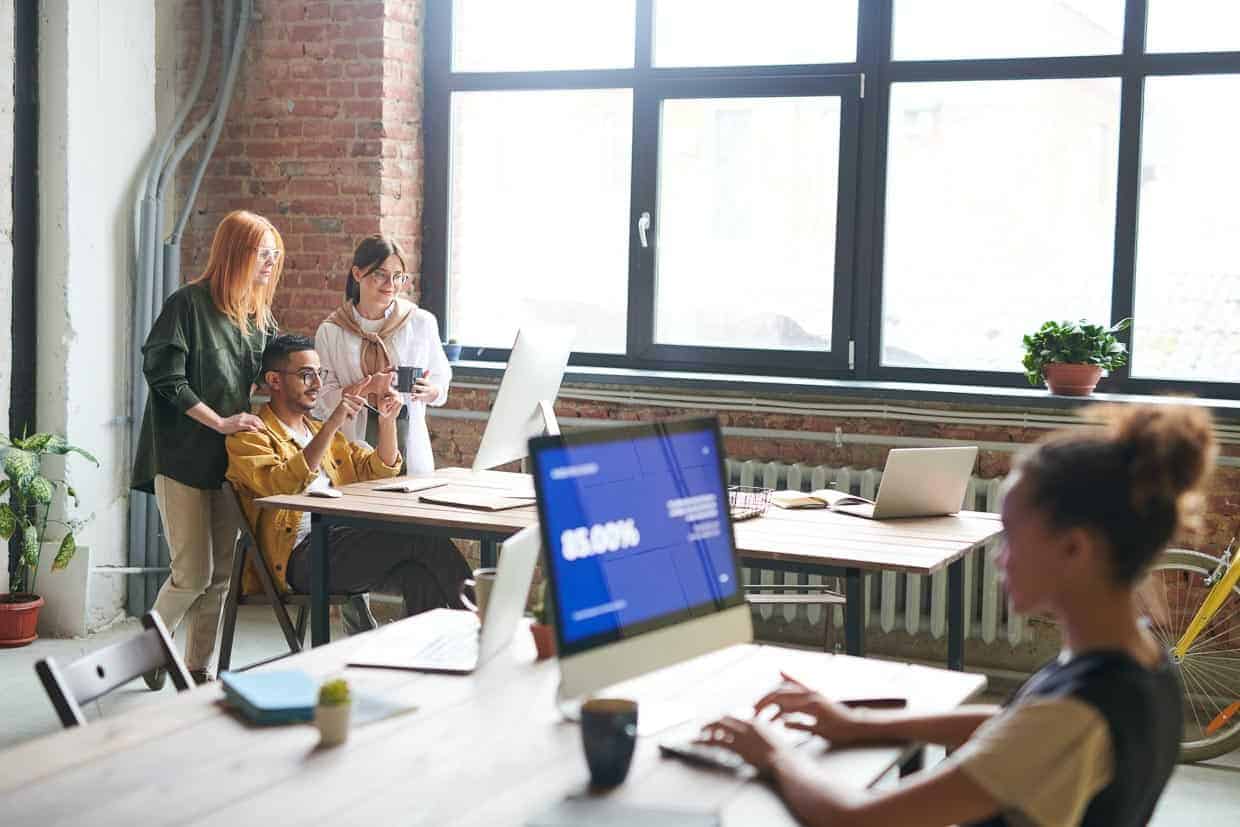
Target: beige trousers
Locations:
point(201, 534)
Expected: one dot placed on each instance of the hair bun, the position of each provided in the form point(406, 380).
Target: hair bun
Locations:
point(1169, 450)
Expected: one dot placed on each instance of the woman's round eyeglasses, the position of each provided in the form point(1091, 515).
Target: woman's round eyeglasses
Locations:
point(382, 277)
point(269, 253)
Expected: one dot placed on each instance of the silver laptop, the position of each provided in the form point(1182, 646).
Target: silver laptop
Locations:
point(919, 482)
point(450, 641)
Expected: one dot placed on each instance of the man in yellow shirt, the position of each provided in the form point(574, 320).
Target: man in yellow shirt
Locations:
point(294, 453)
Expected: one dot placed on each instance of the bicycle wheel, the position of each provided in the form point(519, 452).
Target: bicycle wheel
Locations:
point(1210, 669)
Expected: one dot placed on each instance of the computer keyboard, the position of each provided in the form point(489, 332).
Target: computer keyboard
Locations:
point(709, 755)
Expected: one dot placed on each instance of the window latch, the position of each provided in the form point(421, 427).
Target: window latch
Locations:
point(643, 225)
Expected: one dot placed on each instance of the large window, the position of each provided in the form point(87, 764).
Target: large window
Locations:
point(897, 189)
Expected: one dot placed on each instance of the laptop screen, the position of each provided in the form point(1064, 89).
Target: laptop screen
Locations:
point(636, 529)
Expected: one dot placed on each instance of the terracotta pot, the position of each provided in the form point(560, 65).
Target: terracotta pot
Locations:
point(1072, 380)
point(19, 617)
point(544, 640)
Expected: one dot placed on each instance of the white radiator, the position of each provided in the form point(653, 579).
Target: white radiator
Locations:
point(894, 600)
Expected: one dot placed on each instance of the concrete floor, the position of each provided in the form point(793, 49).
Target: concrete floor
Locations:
point(1201, 795)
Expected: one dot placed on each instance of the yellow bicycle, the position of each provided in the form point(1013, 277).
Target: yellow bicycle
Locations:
point(1192, 601)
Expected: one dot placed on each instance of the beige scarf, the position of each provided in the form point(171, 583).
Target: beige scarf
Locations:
point(376, 354)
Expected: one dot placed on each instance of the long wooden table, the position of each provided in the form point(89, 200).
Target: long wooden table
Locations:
point(819, 541)
point(808, 541)
point(486, 749)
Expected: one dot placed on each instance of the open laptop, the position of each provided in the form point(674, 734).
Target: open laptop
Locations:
point(449, 640)
point(919, 482)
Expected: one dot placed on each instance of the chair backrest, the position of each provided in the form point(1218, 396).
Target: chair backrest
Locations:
point(98, 673)
point(247, 539)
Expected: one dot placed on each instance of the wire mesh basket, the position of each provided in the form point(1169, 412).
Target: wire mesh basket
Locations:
point(748, 501)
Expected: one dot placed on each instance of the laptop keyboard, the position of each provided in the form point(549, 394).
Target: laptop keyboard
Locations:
point(447, 649)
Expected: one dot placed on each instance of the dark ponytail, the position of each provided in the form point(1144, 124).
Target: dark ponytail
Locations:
point(370, 253)
point(1136, 481)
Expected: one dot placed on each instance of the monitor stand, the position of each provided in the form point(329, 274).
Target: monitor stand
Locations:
point(653, 714)
point(550, 427)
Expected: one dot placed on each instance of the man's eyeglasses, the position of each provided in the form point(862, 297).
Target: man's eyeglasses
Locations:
point(308, 375)
point(269, 254)
point(382, 277)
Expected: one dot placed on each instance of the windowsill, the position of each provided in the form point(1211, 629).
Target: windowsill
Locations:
point(1029, 398)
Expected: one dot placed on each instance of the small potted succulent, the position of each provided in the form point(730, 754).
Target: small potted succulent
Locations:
point(1071, 356)
point(331, 715)
point(452, 349)
point(25, 518)
point(544, 635)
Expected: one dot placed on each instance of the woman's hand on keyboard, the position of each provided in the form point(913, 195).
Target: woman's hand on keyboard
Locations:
point(748, 739)
point(799, 707)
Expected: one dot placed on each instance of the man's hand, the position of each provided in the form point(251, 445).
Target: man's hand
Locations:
point(350, 404)
point(239, 422)
point(390, 405)
point(424, 391)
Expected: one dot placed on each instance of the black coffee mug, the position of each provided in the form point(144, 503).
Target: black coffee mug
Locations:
point(608, 734)
point(405, 377)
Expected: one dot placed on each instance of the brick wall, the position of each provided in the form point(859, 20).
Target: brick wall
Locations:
point(323, 137)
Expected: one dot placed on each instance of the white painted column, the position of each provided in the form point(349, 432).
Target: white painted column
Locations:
point(96, 124)
point(6, 231)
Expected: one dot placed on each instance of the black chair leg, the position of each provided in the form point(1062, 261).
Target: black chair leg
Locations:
point(230, 607)
point(302, 616)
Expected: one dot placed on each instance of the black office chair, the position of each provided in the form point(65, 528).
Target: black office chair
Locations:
point(94, 675)
point(248, 550)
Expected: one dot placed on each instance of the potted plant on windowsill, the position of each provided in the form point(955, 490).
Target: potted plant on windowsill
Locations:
point(1071, 356)
point(544, 635)
point(452, 349)
point(25, 519)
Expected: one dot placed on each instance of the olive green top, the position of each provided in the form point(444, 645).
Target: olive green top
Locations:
point(194, 353)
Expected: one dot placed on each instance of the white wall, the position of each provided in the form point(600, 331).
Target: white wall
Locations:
point(97, 121)
point(6, 230)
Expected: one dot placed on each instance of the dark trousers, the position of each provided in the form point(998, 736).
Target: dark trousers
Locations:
point(426, 571)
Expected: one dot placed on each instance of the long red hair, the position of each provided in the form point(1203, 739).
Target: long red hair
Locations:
point(231, 267)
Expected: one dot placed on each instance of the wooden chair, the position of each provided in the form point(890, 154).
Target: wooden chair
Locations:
point(248, 550)
point(98, 673)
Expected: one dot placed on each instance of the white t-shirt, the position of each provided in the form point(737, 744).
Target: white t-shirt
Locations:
point(415, 344)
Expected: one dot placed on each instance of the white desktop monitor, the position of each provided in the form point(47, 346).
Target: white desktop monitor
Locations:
point(522, 406)
point(638, 549)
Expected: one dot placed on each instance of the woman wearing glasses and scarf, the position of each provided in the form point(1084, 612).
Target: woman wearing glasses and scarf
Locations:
point(200, 360)
point(375, 331)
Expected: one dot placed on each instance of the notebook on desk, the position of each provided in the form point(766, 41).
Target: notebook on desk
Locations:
point(277, 697)
point(479, 498)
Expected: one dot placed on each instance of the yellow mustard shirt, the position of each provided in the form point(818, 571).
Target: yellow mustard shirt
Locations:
point(268, 462)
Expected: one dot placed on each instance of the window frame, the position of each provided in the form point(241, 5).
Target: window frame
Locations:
point(857, 316)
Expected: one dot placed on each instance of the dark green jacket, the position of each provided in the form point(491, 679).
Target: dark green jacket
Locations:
point(194, 353)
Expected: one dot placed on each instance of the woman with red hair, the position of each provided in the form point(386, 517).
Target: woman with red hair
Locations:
point(200, 360)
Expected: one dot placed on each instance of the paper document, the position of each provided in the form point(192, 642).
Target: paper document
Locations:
point(474, 498)
point(410, 485)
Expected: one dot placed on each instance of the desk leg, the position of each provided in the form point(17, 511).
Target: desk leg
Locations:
point(955, 615)
point(854, 612)
point(320, 622)
point(489, 555)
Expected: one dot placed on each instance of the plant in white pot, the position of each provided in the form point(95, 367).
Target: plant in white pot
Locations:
point(1071, 356)
point(25, 519)
point(332, 714)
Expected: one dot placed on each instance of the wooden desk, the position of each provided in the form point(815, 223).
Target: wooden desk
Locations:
point(363, 507)
point(819, 541)
point(487, 748)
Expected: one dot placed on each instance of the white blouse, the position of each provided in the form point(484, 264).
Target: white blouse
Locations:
point(415, 344)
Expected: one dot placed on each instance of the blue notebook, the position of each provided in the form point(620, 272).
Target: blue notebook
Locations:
point(280, 697)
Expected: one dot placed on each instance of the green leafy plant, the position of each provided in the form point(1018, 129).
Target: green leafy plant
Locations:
point(334, 692)
point(27, 513)
point(540, 608)
point(1074, 343)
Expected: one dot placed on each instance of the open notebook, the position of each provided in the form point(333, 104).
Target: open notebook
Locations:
point(481, 498)
point(822, 498)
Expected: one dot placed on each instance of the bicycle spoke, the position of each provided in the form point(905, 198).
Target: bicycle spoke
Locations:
point(1189, 685)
